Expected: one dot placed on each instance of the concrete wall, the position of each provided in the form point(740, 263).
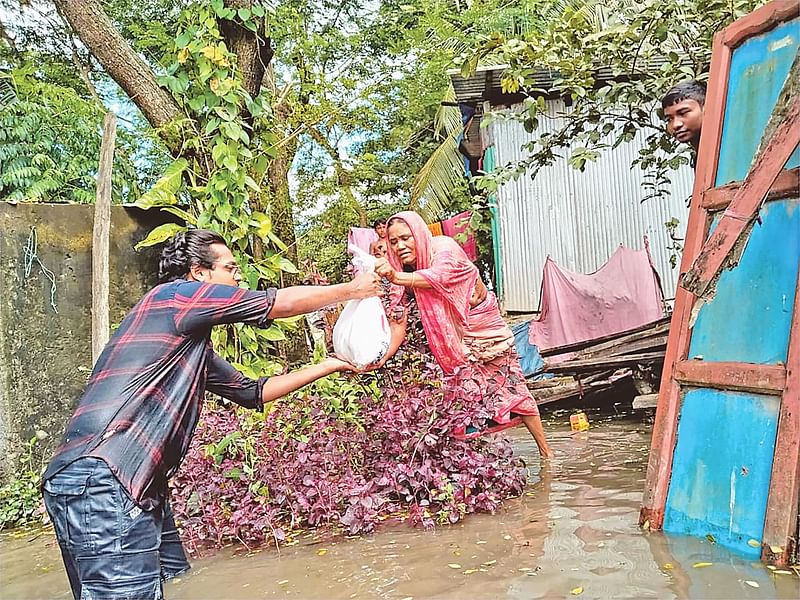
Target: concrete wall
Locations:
point(45, 356)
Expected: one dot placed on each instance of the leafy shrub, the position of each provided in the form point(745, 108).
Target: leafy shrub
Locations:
point(20, 498)
point(345, 452)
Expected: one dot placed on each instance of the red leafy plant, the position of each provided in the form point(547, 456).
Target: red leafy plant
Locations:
point(346, 452)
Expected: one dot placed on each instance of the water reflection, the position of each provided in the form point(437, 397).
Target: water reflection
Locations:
point(574, 527)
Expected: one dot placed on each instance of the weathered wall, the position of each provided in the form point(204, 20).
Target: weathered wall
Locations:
point(45, 356)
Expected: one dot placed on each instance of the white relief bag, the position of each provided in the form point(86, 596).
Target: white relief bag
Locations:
point(361, 335)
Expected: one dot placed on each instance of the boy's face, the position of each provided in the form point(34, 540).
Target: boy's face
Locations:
point(379, 249)
point(684, 121)
point(380, 229)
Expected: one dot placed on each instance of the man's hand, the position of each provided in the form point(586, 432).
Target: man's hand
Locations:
point(366, 286)
point(334, 365)
point(384, 269)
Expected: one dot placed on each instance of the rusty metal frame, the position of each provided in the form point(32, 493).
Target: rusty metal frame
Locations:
point(678, 371)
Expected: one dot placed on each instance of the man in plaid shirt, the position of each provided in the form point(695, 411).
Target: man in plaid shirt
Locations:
point(106, 487)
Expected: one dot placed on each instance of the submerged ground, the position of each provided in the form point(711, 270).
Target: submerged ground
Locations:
point(572, 534)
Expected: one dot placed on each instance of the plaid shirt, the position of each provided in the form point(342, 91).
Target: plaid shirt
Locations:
point(144, 396)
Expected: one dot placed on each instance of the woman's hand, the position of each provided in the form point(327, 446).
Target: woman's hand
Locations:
point(384, 269)
point(377, 364)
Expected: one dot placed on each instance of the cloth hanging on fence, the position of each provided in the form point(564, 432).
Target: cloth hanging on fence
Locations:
point(622, 294)
point(529, 358)
point(361, 237)
point(459, 224)
point(436, 228)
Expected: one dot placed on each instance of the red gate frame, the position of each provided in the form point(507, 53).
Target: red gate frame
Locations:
point(780, 380)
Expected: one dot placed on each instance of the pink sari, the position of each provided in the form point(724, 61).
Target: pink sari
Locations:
point(444, 309)
point(474, 346)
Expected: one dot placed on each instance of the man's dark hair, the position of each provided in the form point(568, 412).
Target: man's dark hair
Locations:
point(187, 248)
point(377, 222)
point(690, 89)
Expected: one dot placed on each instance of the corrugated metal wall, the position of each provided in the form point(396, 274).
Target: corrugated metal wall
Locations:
point(578, 218)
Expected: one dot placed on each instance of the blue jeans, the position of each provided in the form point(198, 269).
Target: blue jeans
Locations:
point(111, 548)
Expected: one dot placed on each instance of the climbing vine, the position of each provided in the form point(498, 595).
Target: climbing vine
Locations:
point(226, 143)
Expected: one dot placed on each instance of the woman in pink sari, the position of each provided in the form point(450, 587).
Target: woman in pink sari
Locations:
point(461, 319)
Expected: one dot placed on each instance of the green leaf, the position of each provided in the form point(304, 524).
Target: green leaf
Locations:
point(273, 334)
point(179, 212)
point(160, 234)
point(183, 40)
point(244, 14)
point(224, 212)
point(286, 265)
point(163, 192)
point(251, 183)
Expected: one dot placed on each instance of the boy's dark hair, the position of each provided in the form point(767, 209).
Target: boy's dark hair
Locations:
point(691, 89)
point(187, 248)
point(377, 222)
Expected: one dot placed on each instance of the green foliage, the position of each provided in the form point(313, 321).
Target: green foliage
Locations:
point(50, 144)
point(613, 67)
point(20, 498)
point(228, 142)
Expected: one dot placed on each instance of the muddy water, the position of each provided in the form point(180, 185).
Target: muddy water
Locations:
point(572, 534)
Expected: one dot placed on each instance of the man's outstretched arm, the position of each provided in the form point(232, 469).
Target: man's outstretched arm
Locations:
point(280, 385)
point(302, 299)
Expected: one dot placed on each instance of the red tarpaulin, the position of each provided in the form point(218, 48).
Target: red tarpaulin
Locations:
point(623, 294)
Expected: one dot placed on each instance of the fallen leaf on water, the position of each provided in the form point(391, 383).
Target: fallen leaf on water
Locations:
point(322, 552)
point(576, 591)
point(506, 537)
point(456, 553)
point(753, 543)
point(646, 525)
point(669, 566)
point(711, 538)
point(700, 565)
point(409, 598)
point(481, 541)
point(776, 549)
point(470, 571)
point(483, 570)
point(454, 565)
point(752, 583)
point(283, 582)
point(489, 563)
point(529, 494)
point(523, 569)
point(782, 572)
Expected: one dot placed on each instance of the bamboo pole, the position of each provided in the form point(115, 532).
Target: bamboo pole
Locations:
point(100, 238)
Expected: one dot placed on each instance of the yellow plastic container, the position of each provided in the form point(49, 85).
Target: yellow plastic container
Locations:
point(579, 422)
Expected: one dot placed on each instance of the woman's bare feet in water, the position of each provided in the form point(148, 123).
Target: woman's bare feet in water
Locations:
point(536, 429)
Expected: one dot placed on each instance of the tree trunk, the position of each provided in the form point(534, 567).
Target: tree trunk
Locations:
point(119, 60)
point(253, 49)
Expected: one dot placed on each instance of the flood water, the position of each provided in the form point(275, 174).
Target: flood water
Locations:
point(573, 534)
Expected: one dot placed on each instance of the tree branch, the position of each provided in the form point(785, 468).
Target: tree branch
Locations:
point(120, 61)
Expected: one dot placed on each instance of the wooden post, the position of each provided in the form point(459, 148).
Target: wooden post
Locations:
point(100, 238)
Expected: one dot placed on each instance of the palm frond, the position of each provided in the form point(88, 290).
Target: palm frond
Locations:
point(447, 118)
point(441, 174)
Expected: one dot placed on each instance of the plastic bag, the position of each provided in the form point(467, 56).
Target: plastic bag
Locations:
point(361, 335)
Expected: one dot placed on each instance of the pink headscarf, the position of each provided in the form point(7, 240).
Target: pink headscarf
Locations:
point(445, 308)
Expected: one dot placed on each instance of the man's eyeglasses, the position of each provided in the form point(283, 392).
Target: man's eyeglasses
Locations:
point(232, 268)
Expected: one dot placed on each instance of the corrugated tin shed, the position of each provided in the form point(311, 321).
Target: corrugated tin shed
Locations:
point(578, 218)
